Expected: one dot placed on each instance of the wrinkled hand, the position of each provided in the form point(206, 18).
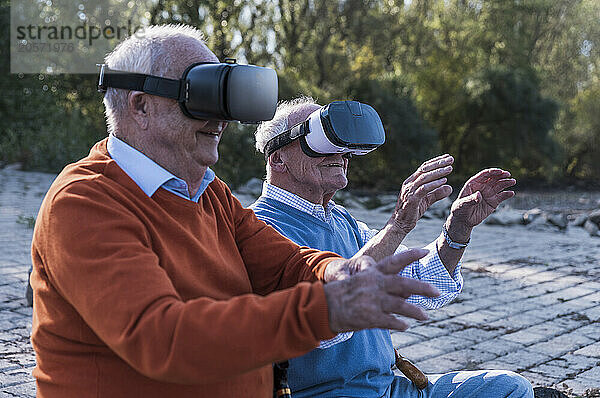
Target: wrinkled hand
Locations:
point(368, 299)
point(422, 189)
point(480, 196)
point(338, 270)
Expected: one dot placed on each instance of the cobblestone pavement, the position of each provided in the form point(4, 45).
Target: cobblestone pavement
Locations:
point(531, 301)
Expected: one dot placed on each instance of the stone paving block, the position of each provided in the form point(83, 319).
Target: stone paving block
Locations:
point(7, 336)
point(449, 343)
point(436, 316)
point(542, 288)
point(450, 326)
point(576, 363)
point(505, 309)
point(577, 291)
point(570, 321)
point(496, 364)
point(476, 335)
point(439, 364)
point(401, 339)
point(6, 365)
point(9, 348)
point(592, 331)
point(499, 346)
point(592, 374)
point(562, 344)
point(583, 303)
point(24, 310)
point(458, 308)
point(516, 322)
point(481, 317)
point(25, 390)
point(537, 379)
point(428, 331)
point(525, 337)
point(519, 273)
point(483, 302)
point(592, 285)
point(483, 284)
point(547, 329)
point(592, 350)
point(592, 313)
point(545, 276)
point(551, 312)
point(551, 370)
point(14, 377)
point(420, 352)
point(579, 385)
point(524, 358)
point(470, 358)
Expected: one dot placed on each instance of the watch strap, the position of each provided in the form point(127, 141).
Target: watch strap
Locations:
point(451, 243)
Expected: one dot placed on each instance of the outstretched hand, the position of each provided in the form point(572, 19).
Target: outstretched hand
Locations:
point(422, 189)
point(368, 299)
point(480, 196)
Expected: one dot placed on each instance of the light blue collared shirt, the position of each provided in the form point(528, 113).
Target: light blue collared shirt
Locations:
point(148, 175)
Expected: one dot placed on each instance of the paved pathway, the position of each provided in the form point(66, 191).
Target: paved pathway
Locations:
point(531, 301)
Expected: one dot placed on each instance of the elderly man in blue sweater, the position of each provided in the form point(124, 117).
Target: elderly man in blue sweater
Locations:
point(296, 201)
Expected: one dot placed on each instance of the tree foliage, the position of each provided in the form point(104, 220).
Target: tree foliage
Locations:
point(493, 82)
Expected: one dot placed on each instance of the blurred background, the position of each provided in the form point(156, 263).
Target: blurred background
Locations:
point(507, 83)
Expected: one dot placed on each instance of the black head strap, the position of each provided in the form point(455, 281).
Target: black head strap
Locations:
point(160, 86)
point(286, 138)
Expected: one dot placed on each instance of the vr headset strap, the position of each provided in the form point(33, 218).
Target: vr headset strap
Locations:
point(160, 86)
point(286, 138)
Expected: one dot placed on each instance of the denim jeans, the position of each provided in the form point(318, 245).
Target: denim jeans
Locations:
point(472, 384)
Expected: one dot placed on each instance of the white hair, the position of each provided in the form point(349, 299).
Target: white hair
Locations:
point(143, 52)
point(280, 122)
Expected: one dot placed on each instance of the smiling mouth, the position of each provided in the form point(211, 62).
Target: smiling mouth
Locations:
point(333, 165)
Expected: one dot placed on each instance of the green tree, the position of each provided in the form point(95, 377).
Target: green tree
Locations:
point(582, 138)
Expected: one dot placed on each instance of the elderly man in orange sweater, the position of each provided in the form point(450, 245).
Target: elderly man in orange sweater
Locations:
point(151, 280)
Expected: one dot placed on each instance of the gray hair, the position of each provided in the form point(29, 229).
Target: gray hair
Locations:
point(280, 122)
point(141, 53)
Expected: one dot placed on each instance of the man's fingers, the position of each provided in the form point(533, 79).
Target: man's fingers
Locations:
point(406, 287)
point(429, 165)
point(502, 196)
point(430, 186)
point(472, 199)
point(502, 184)
point(401, 307)
point(433, 175)
point(438, 194)
point(391, 322)
point(483, 175)
point(397, 262)
point(436, 163)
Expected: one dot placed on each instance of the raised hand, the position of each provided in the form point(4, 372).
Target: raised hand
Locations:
point(368, 299)
point(480, 196)
point(422, 189)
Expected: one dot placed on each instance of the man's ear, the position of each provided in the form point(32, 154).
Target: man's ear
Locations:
point(276, 162)
point(138, 106)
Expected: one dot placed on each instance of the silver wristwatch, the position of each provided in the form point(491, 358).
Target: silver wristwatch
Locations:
point(451, 243)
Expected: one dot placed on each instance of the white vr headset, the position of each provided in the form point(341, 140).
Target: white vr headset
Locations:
point(346, 127)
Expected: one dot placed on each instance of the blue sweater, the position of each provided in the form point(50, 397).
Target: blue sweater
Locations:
point(359, 366)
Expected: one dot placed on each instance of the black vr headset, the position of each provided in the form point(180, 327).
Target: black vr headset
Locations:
point(347, 127)
point(210, 91)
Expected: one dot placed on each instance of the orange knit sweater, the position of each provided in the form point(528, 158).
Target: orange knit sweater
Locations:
point(162, 297)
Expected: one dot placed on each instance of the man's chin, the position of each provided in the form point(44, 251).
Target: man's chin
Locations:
point(209, 160)
point(340, 184)
point(213, 161)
